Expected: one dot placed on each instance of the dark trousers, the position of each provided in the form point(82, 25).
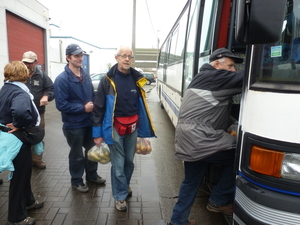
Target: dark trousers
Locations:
point(78, 162)
point(222, 194)
point(20, 194)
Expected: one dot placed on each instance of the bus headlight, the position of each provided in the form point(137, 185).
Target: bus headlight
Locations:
point(291, 166)
point(275, 163)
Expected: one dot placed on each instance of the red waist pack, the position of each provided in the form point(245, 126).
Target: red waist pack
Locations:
point(126, 125)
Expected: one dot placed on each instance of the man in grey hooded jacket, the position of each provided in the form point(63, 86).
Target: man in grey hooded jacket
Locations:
point(201, 135)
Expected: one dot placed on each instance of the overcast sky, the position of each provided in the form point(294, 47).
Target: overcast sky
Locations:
point(108, 23)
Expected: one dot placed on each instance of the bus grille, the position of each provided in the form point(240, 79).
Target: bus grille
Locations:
point(265, 214)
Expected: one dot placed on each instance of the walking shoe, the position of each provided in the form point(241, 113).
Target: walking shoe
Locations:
point(26, 221)
point(99, 180)
point(36, 205)
point(39, 165)
point(81, 187)
point(226, 209)
point(129, 192)
point(191, 222)
point(121, 205)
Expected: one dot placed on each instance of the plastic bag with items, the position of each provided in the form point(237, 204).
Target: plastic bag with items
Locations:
point(232, 130)
point(143, 146)
point(99, 154)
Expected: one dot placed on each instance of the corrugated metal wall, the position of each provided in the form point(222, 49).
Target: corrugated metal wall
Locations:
point(24, 36)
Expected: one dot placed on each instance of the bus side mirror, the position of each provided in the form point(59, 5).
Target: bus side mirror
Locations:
point(259, 21)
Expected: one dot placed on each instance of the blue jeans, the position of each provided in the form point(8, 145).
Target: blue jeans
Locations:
point(78, 162)
point(222, 194)
point(122, 154)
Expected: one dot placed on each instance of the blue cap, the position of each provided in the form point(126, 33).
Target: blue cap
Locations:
point(73, 49)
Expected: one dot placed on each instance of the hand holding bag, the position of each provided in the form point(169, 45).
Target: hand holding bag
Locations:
point(143, 146)
point(99, 154)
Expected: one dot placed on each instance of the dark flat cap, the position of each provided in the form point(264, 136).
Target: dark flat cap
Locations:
point(224, 52)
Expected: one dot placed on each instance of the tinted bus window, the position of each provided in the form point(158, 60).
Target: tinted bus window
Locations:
point(208, 24)
point(191, 42)
point(172, 56)
point(162, 64)
point(280, 61)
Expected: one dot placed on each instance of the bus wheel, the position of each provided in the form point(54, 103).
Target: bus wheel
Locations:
point(161, 105)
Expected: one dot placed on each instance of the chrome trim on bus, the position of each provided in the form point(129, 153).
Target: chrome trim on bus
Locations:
point(238, 220)
point(265, 214)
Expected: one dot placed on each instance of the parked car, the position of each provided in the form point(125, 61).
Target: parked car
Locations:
point(96, 79)
point(150, 77)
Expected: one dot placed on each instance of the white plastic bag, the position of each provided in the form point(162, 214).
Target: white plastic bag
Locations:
point(143, 146)
point(99, 154)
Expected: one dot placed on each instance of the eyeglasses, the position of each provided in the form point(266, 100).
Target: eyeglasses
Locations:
point(126, 56)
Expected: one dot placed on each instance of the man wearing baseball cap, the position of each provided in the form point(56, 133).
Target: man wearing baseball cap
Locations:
point(224, 52)
point(74, 49)
point(41, 87)
point(201, 136)
point(74, 96)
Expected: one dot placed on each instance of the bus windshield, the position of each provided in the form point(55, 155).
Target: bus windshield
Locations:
point(280, 62)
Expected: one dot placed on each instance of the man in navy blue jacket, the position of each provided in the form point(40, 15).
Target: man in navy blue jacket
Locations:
point(74, 94)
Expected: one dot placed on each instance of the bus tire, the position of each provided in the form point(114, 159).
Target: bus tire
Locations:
point(161, 105)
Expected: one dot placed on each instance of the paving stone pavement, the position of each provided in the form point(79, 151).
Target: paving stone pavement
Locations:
point(64, 205)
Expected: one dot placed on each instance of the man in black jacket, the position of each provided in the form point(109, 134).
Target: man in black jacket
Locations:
point(41, 87)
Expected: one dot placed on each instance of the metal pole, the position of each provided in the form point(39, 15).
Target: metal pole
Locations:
point(133, 32)
point(157, 53)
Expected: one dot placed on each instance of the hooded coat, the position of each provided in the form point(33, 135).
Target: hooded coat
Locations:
point(204, 115)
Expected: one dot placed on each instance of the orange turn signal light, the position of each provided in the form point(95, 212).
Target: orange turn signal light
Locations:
point(266, 161)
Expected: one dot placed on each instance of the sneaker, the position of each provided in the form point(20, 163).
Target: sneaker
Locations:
point(191, 222)
point(129, 192)
point(226, 209)
point(81, 187)
point(99, 180)
point(121, 205)
point(39, 165)
point(36, 205)
point(26, 221)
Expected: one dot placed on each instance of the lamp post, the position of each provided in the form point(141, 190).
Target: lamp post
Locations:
point(133, 31)
point(157, 53)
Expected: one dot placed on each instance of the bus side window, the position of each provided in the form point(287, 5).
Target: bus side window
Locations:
point(296, 50)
